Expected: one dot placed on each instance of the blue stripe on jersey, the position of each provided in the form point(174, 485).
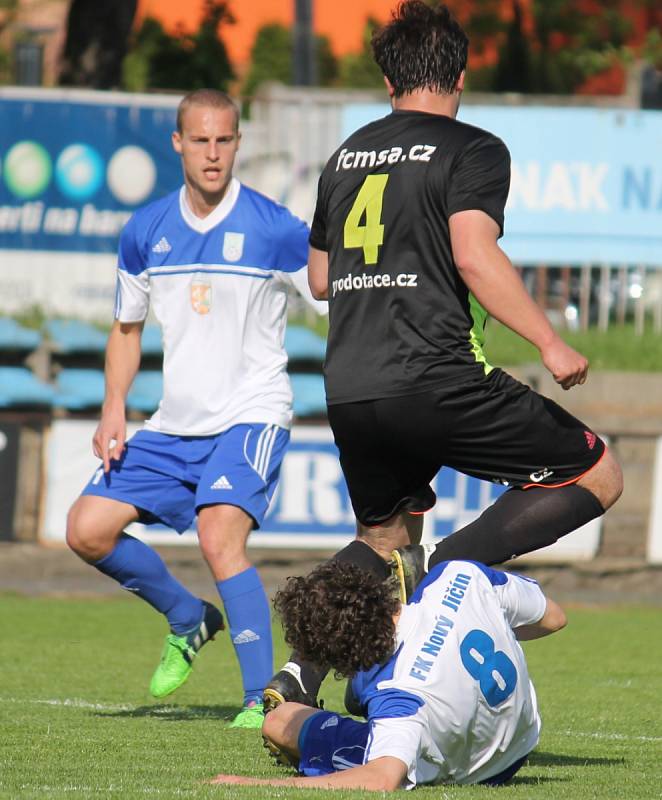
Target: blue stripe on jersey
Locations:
point(495, 577)
point(255, 231)
point(433, 575)
point(498, 578)
point(365, 681)
point(197, 270)
point(392, 703)
point(385, 703)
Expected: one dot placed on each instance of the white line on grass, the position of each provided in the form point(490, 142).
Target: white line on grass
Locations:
point(613, 736)
point(76, 703)
point(69, 702)
point(105, 789)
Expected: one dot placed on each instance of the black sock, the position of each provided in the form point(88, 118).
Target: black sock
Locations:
point(520, 521)
point(364, 556)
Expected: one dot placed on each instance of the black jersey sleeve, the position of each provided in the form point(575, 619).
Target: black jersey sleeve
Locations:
point(317, 237)
point(480, 179)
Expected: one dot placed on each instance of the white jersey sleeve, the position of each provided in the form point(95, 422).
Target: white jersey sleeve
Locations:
point(133, 286)
point(292, 257)
point(521, 599)
point(299, 280)
point(399, 738)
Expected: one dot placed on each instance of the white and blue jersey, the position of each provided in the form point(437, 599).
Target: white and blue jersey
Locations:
point(455, 702)
point(218, 288)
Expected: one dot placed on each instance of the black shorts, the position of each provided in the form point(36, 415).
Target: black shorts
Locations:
point(494, 428)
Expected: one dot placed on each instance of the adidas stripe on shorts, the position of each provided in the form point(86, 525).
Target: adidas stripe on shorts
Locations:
point(168, 478)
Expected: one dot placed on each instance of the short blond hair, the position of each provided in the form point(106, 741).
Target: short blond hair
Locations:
point(212, 98)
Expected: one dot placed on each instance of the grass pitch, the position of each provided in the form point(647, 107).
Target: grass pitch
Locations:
point(76, 718)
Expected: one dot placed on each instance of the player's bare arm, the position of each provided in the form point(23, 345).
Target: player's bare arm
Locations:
point(551, 621)
point(384, 774)
point(492, 279)
point(318, 273)
point(122, 363)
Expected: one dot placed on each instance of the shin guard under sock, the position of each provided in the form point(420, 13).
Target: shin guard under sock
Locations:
point(520, 521)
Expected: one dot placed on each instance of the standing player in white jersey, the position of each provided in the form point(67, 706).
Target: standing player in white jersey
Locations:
point(214, 260)
point(442, 681)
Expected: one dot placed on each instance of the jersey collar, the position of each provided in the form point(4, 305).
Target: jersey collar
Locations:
point(205, 224)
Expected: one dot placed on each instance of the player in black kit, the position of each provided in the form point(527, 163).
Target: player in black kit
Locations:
point(404, 245)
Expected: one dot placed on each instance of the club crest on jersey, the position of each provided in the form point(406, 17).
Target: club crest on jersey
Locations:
point(233, 246)
point(201, 297)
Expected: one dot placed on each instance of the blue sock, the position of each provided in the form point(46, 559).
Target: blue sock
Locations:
point(247, 610)
point(141, 570)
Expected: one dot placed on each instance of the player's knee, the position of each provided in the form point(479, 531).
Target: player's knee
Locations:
point(272, 727)
point(277, 723)
point(75, 534)
point(223, 531)
point(605, 480)
point(615, 479)
point(85, 534)
point(217, 547)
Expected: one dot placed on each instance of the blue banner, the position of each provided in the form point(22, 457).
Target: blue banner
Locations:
point(586, 184)
point(72, 172)
point(311, 508)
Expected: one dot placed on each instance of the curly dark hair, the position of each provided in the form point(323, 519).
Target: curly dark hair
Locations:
point(421, 48)
point(339, 616)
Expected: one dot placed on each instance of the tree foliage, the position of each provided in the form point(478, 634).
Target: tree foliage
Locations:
point(183, 61)
point(272, 57)
point(568, 44)
point(359, 70)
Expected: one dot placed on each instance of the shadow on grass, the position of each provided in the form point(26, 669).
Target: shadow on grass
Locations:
point(533, 780)
point(541, 759)
point(168, 713)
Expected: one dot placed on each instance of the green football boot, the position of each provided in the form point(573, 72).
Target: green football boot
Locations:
point(179, 652)
point(250, 716)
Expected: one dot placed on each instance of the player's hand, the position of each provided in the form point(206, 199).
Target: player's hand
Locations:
point(110, 436)
point(567, 366)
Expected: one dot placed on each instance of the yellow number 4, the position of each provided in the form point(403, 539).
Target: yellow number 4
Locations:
point(370, 235)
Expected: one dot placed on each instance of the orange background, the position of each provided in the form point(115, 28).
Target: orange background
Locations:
point(342, 21)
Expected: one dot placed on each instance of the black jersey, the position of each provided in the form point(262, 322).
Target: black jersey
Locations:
point(401, 319)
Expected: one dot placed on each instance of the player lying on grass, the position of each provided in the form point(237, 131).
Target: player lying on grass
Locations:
point(442, 681)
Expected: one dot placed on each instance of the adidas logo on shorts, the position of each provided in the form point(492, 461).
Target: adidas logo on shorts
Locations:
point(590, 439)
point(221, 483)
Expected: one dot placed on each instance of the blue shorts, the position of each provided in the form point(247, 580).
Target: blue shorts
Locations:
point(329, 743)
point(169, 478)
